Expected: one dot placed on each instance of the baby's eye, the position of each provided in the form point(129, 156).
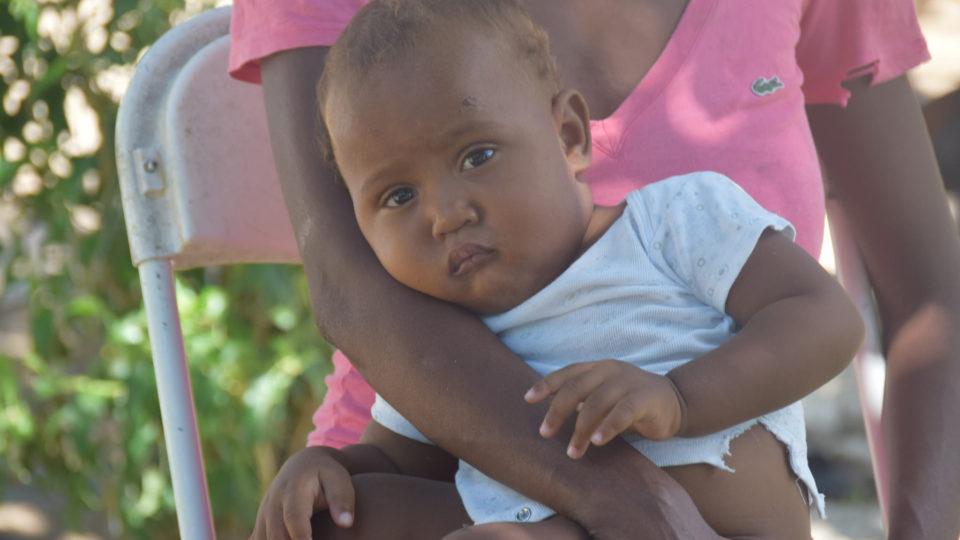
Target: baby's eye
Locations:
point(477, 158)
point(399, 197)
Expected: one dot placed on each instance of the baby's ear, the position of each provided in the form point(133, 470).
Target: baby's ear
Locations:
point(572, 118)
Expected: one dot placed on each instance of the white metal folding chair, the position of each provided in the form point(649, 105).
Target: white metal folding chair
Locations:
point(199, 189)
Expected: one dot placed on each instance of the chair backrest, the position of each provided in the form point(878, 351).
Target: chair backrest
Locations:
point(199, 188)
point(196, 171)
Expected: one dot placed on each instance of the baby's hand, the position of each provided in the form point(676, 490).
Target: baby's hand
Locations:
point(611, 397)
point(309, 481)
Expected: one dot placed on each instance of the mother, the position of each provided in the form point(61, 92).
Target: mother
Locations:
point(745, 88)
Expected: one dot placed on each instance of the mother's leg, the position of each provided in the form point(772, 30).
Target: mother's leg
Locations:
point(397, 507)
point(762, 499)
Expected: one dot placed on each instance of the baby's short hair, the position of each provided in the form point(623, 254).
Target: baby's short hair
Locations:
point(385, 31)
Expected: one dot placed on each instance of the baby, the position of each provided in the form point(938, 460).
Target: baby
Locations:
point(465, 160)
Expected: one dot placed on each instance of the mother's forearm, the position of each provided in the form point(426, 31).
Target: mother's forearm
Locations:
point(437, 363)
point(921, 433)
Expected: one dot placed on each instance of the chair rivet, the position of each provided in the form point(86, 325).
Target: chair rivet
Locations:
point(150, 165)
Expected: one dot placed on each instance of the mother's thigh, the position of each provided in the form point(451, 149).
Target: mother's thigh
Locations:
point(397, 507)
point(760, 500)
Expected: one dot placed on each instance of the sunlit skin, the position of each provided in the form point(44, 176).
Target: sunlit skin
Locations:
point(468, 188)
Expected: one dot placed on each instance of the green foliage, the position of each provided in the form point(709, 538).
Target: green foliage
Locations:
point(78, 404)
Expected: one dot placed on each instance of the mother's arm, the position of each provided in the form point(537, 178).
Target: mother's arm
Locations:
point(437, 363)
point(880, 164)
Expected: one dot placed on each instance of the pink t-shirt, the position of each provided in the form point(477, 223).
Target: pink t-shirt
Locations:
point(727, 94)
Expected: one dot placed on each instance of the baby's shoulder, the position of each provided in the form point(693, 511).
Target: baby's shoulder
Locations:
point(674, 198)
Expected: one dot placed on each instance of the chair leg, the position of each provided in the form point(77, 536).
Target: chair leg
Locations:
point(176, 401)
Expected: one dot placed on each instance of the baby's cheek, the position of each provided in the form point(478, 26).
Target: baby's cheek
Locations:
point(413, 266)
point(393, 260)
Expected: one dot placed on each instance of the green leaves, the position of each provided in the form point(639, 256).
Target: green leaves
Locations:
point(78, 404)
point(26, 12)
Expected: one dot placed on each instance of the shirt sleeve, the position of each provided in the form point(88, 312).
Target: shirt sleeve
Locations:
point(345, 411)
point(700, 229)
point(259, 28)
point(846, 39)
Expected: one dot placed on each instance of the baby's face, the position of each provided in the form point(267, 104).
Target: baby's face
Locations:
point(463, 173)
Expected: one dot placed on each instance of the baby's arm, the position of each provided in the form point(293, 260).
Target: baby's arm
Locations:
point(798, 329)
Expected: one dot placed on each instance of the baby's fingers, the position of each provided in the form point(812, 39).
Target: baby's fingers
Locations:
point(260, 529)
point(337, 487)
point(623, 416)
point(296, 508)
point(270, 523)
point(553, 381)
point(575, 386)
point(331, 490)
point(595, 409)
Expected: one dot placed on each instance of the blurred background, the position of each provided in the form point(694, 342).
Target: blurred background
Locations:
point(81, 449)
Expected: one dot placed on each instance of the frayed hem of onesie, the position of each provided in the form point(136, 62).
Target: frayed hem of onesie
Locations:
point(815, 499)
point(718, 452)
point(725, 446)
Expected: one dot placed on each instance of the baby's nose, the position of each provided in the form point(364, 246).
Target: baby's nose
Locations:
point(453, 215)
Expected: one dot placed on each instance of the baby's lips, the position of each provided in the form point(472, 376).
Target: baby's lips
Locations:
point(462, 257)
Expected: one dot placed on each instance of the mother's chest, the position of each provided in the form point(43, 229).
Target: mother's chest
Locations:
point(736, 49)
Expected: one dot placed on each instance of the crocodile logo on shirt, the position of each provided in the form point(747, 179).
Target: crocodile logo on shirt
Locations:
point(764, 86)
